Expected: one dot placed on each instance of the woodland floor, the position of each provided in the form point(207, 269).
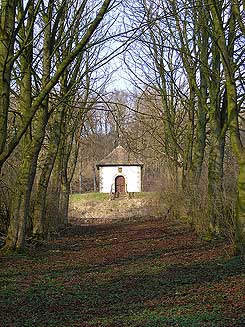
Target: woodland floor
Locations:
point(147, 273)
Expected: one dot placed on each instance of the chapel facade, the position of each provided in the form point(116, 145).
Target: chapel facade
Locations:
point(120, 173)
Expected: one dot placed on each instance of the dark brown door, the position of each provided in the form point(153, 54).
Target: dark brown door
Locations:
point(120, 184)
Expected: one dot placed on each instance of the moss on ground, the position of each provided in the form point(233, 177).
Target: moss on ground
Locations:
point(150, 273)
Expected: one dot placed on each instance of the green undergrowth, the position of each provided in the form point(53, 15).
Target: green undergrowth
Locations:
point(79, 286)
point(96, 196)
point(129, 296)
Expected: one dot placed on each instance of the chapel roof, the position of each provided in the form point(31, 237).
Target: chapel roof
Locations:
point(119, 156)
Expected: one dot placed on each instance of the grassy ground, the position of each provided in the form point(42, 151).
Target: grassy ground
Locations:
point(96, 196)
point(150, 273)
point(96, 208)
point(93, 196)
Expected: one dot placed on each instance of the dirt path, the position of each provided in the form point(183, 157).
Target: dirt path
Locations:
point(150, 273)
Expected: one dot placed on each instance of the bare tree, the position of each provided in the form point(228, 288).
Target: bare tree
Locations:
point(83, 20)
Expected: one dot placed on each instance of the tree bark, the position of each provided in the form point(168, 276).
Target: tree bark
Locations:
point(40, 223)
point(7, 21)
point(20, 205)
point(227, 52)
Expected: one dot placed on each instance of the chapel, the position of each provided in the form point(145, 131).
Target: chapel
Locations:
point(120, 172)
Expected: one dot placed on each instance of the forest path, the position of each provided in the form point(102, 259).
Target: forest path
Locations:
point(147, 273)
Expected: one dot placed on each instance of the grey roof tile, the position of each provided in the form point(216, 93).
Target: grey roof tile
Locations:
point(119, 156)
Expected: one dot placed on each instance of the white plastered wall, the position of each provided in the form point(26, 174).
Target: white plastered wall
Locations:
point(132, 175)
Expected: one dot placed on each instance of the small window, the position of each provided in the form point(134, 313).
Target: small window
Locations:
point(119, 169)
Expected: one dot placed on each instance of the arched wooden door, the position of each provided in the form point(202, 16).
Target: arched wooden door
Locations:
point(120, 184)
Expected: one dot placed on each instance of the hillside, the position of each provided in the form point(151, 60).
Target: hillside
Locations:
point(91, 208)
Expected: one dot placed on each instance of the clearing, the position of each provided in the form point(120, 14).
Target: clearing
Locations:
point(150, 272)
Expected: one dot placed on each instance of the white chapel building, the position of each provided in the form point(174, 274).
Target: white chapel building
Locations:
point(120, 172)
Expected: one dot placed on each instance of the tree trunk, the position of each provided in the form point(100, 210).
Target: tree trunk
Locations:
point(65, 202)
point(20, 203)
point(227, 57)
point(239, 152)
point(56, 186)
point(240, 210)
point(216, 157)
point(18, 218)
point(7, 21)
point(94, 179)
point(21, 199)
point(215, 183)
point(40, 224)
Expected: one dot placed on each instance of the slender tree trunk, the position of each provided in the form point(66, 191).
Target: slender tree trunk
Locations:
point(66, 176)
point(240, 209)
point(227, 57)
point(40, 224)
point(56, 185)
point(65, 202)
point(199, 144)
point(216, 158)
point(20, 205)
point(94, 179)
point(188, 152)
point(239, 152)
point(20, 200)
point(215, 182)
point(7, 21)
point(198, 94)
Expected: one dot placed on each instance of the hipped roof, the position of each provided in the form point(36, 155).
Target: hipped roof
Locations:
point(119, 157)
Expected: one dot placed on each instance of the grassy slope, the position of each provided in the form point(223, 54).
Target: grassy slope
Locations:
point(97, 207)
point(152, 273)
point(96, 196)
point(77, 197)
